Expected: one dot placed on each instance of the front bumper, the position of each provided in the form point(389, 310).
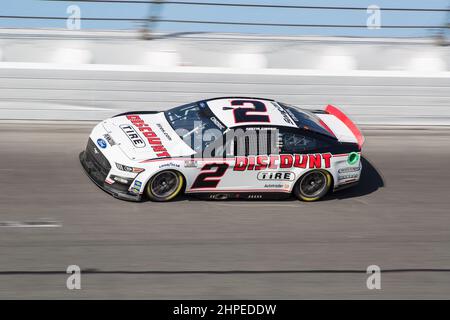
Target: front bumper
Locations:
point(97, 175)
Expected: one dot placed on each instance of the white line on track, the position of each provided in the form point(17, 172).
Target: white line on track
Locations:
point(30, 224)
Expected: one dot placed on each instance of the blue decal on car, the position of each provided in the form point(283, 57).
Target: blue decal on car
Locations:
point(136, 187)
point(101, 143)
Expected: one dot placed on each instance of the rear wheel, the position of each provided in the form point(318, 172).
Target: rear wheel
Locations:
point(313, 185)
point(165, 185)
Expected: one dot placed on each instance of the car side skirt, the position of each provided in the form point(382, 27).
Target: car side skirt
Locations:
point(241, 195)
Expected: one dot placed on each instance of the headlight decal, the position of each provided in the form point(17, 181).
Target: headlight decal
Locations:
point(129, 169)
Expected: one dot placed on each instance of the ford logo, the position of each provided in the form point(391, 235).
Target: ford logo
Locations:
point(101, 143)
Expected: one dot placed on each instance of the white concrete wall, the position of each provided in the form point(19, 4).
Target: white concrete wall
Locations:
point(217, 50)
point(92, 76)
point(95, 94)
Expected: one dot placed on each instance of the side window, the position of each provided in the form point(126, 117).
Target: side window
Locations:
point(255, 141)
point(296, 142)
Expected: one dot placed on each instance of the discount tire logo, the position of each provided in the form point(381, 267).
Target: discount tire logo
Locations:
point(283, 161)
point(135, 138)
point(276, 176)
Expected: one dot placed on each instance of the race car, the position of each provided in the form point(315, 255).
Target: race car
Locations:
point(225, 148)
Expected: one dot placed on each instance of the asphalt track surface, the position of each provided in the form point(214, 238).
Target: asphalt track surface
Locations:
point(53, 216)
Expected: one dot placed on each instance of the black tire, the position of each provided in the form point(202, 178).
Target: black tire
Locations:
point(313, 185)
point(164, 186)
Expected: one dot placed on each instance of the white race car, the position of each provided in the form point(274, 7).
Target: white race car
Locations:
point(223, 148)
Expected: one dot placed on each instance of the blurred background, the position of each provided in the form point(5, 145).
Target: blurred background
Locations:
point(86, 60)
point(65, 65)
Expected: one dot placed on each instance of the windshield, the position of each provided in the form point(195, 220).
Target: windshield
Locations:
point(304, 118)
point(195, 124)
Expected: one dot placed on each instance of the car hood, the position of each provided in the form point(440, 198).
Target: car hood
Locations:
point(146, 136)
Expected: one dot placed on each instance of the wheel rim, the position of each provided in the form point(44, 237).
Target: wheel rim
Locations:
point(164, 184)
point(313, 184)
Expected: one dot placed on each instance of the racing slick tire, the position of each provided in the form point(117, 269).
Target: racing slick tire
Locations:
point(313, 185)
point(164, 186)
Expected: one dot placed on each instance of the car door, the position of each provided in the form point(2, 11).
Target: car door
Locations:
point(218, 171)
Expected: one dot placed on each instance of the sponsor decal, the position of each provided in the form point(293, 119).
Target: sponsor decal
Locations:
point(159, 125)
point(273, 186)
point(283, 161)
point(152, 138)
point(101, 143)
point(349, 173)
point(284, 114)
point(169, 165)
point(260, 128)
point(190, 163)
point(134, 137)
point(292, 115)
point(348, 176)
point(109, 139)
point(217, 123)
point(136, 187)
point(274, 175)
point(349, 169)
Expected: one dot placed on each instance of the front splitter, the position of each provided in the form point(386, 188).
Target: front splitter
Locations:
point(104, 186)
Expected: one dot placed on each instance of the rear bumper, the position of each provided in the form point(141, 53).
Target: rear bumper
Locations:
point(96, 176)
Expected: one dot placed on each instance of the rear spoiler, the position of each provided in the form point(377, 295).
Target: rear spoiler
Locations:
point(349, 123)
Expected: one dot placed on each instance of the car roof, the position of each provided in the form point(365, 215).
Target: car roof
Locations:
point(274, 113)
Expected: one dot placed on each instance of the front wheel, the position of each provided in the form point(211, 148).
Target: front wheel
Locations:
point(313, 185)
point(164, 186)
